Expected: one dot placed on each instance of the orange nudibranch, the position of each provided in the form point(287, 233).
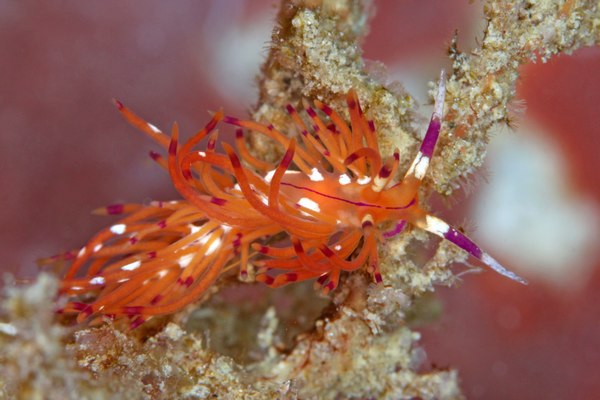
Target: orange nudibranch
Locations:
point(315, 214)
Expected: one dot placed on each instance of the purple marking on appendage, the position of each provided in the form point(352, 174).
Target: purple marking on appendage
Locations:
point(162, 224)
point(151, 254)
point(287, 158)
point(431, 137)
point(372, 125)
point(218, 201)
point(188, 281)
point(356, 203)
point(263, 250)
point(84, 308)
point(463, 242)
point(211, 144)
point(133, 310)
point(396, 155)
point(304, 133)
point(291, 277)
point(154, 155)
point(298, 246)
point(367, 224)
point(187, 174)
point(136, 323)
point(270, 127)
point(115, 209)
point(173, 147)
point(326, 251)
point(351, 103)
point(331, 127)
point(327, 110)
point(133, 240)
point(231, 120)
point(384, 172)
point(211, 125)
point(268, 280)
point(156, 299)
point(239, 133)
point(311, 112)
point(321, 280)
point(350, 159)
point(235, 161)
point(315, 128)
point(330, 286)
point(290, 109)
point(326, 153)
point(238, 240)
point(378, 278)
point(399, 228)
point(118, 104)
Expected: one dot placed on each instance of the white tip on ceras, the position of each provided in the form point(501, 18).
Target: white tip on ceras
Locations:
point(496, 266)
point(378, 184)
point(419, 166)
point(438, 110)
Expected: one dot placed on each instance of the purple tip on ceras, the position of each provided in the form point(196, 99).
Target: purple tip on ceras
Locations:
point(137, 322)
point(322, 279)
point(118, 104)
point(212, 124)
point(327, 110)
point(212, 143)
point(288, 156)
point(351, 158)
point(397, 229)
point(437, 226)
point(173, 147)
point(384, 172)
point(231, 120)
point(371, 125)
point(218, 201)
point(433, 131)
point(290, 109)
point(154, 155)
point(327, 252)
point(115, 209)
point(462, 241)
point(237, 242)
point(84, 308)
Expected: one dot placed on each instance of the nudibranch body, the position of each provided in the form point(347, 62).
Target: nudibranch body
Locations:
point(315, 221)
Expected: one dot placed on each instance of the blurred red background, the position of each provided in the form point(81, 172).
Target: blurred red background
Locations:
point(65, 150)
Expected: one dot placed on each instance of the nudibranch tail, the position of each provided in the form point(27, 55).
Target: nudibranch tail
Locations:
point(313, 215)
